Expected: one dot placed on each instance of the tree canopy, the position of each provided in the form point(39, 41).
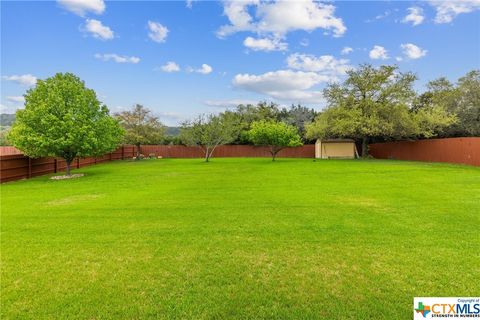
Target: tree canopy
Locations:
point(63, 118)
point(275, 135)
point(461, 99)
point(375, 102)
point(209, 131)
point(141, 127)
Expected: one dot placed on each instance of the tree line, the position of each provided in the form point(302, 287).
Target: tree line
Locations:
point(63, 118)
point(371, 105)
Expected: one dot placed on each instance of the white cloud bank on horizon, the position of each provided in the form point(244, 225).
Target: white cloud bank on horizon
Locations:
point(231, 103)
point(298, 83)
point(20, 99)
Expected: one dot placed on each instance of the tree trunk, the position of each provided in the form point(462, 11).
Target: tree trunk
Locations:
point(207, 155)
point(364, 147)
point(69, 162)
point(273, 152)
point(138, 151)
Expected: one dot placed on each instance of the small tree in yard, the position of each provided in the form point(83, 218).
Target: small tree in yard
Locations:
point(276, 135)
point(63, 118)
point(141, 127)
point(208, 132)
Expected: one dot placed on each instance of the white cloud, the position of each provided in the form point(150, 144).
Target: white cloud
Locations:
point(286, 85)
point(378, 52)
point(189, 4)
point(412, 51)
point(325, 65)
point(414, 16)
point(25, 79)
point(16, 99)
point(448, 10)
point(82, 7)
point(9, 109)
point(205, 69)
point(346, 50)
point(98, 30)
point(117, 58)
point(279, 18)
point(170, 66)
point(228, 103)
point(158, 32)
point(265, 44)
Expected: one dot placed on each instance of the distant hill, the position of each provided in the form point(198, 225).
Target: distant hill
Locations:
point(173, 131)
point(6, 119)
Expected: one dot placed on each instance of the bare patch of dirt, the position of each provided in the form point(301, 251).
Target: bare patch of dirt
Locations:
point(73, 199)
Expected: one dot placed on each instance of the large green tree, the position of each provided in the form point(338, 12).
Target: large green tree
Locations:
point(461, 99)
point(209, 131)
point(298, 116)
point(141, 127)
point(375, 103)
point(275, 135)
point(63, 118)
point(245, 115)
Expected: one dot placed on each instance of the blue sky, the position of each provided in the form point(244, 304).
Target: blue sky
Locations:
point(183, 58)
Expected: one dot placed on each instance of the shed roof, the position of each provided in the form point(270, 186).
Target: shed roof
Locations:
point(336, 140)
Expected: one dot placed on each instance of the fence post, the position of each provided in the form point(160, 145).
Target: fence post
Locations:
point(55, 165)
point(123, 152)
point(29, 167)
point(78, 163)
point(110, 156)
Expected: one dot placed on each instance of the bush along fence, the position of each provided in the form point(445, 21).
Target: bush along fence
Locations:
point(18, 166)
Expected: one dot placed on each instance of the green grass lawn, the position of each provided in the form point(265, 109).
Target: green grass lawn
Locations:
point(239, 238)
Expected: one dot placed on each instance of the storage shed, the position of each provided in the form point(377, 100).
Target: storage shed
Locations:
point(335, 149)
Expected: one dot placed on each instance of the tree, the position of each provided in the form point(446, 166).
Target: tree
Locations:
point(298, 116)
point(141, 127)
point(247, 114)
point(462, 99)
point(275, 135)
point(4, 138)
point(373, 103)
point(208, 132)
point(468, 109)
point(63, 118)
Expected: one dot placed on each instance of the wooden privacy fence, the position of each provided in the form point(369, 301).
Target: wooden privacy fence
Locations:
point(17, 166)
point(453, 150)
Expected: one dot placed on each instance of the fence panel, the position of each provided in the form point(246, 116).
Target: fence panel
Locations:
point(452, 150)
point(17, 166)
